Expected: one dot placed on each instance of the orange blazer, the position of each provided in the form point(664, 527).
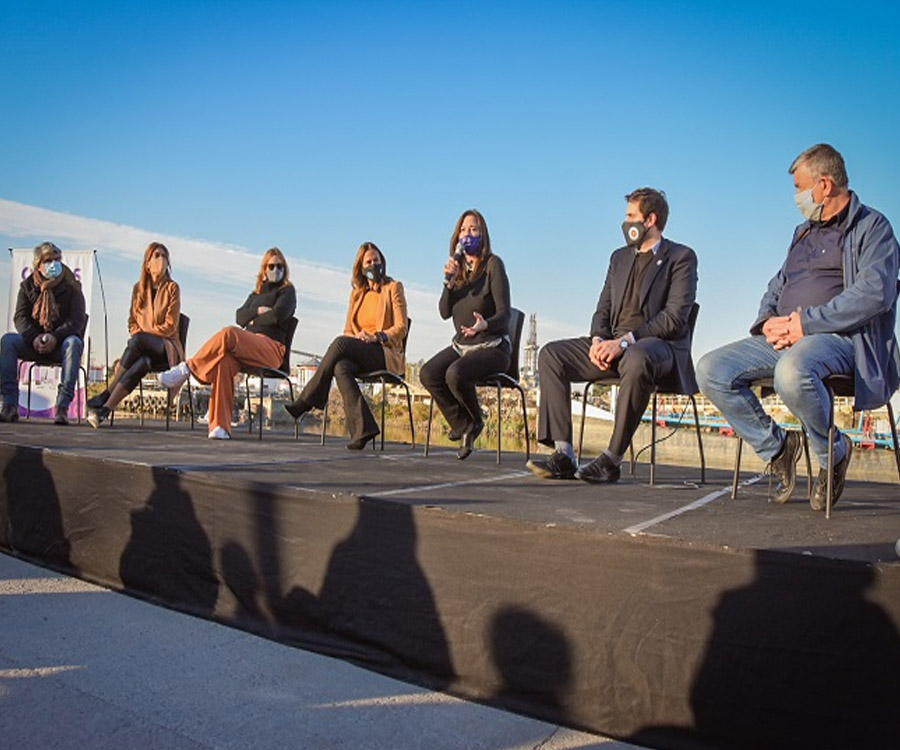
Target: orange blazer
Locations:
point(389, 318)
point(159, 318)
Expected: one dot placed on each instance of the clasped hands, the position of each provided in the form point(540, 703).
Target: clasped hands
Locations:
point(44, 343)
point(783, 331)
point(604, 352)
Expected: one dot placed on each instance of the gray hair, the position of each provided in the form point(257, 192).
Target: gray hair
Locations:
point(44, 247)
point(823, 161)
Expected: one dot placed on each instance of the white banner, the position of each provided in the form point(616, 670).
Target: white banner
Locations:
point(44, 380)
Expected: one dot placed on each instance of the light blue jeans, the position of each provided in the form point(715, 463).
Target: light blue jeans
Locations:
point(13, 347)
point(724, 376)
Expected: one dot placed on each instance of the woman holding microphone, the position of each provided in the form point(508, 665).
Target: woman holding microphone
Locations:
point(476, 297)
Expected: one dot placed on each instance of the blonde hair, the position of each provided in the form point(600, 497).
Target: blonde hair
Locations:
point(272, 252)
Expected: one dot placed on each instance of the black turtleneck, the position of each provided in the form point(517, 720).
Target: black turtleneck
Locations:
point(282, 298)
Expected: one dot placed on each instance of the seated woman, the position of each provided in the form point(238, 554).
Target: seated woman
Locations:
point(153, 327)
point(259, 342)
point(476, 296)
point(372, 340)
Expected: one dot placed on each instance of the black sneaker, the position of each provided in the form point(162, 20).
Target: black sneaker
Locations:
point(820, 492)
point(599, 471)
point(556, 466)
point(97, 416)
point(61, 415)
point(9, 413)
point(783, 468)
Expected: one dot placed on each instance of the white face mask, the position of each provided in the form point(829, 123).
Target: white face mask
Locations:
point(807, 205)
point(274, 275)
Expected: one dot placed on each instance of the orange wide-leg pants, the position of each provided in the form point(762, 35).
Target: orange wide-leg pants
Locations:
point(221, 358)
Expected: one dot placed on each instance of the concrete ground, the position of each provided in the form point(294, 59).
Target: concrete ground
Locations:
point(85, 667)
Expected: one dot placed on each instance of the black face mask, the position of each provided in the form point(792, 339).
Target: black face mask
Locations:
point(375, 272)
point(634, 232)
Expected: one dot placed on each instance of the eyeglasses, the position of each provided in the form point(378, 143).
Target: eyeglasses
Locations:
point(274, 266)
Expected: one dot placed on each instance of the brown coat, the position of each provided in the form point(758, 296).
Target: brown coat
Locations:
point(389, 318)
point(160, 318)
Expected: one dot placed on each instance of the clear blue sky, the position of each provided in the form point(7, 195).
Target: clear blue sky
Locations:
point(224, 128)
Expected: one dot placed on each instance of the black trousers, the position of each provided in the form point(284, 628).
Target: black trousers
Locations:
point(346, 358)
point(450, 379)
point(143, 352)
point(564, 362)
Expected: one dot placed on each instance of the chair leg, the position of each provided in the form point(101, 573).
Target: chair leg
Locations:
point(428, 429)
point(583, 414)
point(653, 439)
point(259, 413)
point(737, 467)
point(890, 410)
point(499, 421)
point(412, 427)
point(829, 494)
point(324, 423)
point(809, 485)
point(141, 399)
point(190, 402)
point(28, 402)
point(699, 441)
point(383, 398)
point(525, 422)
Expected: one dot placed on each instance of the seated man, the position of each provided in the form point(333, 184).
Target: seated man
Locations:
point(50, 320)
point(829, 310)
point(639, 333)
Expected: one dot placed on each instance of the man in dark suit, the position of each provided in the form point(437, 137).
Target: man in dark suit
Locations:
point(639, 333)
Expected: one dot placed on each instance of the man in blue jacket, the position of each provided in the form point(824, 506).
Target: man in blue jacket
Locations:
point(829, 310)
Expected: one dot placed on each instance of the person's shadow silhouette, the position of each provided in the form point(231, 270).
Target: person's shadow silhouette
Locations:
point(534, 660)
point(799, 658)
point(32, 523)
point(168, 555)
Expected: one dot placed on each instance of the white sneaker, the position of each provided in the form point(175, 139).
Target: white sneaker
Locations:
point(218, 433)
point(175, 377)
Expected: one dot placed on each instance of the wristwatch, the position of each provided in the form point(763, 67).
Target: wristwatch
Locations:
point(624, 342)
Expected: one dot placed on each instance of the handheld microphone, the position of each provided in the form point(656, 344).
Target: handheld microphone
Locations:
point(458, 257)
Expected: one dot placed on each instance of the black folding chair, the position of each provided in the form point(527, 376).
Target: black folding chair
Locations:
point(262, 373)
point(54, 359)
point(184, 323)
point(385, 377)
point(500, 380)
point(665, 389)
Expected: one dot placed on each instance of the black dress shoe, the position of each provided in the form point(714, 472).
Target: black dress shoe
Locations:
point(360, 443)
point(297, 408)
point(457, 434)
point(599, 471)
point(61, 415)
point(556, 466)
point(819, 497)
point(9, 413)
point(783, 468)
point(468, 441)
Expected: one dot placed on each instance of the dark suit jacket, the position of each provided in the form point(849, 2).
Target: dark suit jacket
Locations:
point(667, 294)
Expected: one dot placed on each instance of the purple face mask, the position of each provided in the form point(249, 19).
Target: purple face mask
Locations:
point(471, 245)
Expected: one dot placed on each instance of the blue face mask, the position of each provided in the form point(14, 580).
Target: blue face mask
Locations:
point(52, 269)
point(471, 245)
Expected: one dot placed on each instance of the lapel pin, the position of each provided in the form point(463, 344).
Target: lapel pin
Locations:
point(659, 262)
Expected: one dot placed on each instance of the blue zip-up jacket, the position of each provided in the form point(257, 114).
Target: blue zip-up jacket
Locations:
point(867, 308)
